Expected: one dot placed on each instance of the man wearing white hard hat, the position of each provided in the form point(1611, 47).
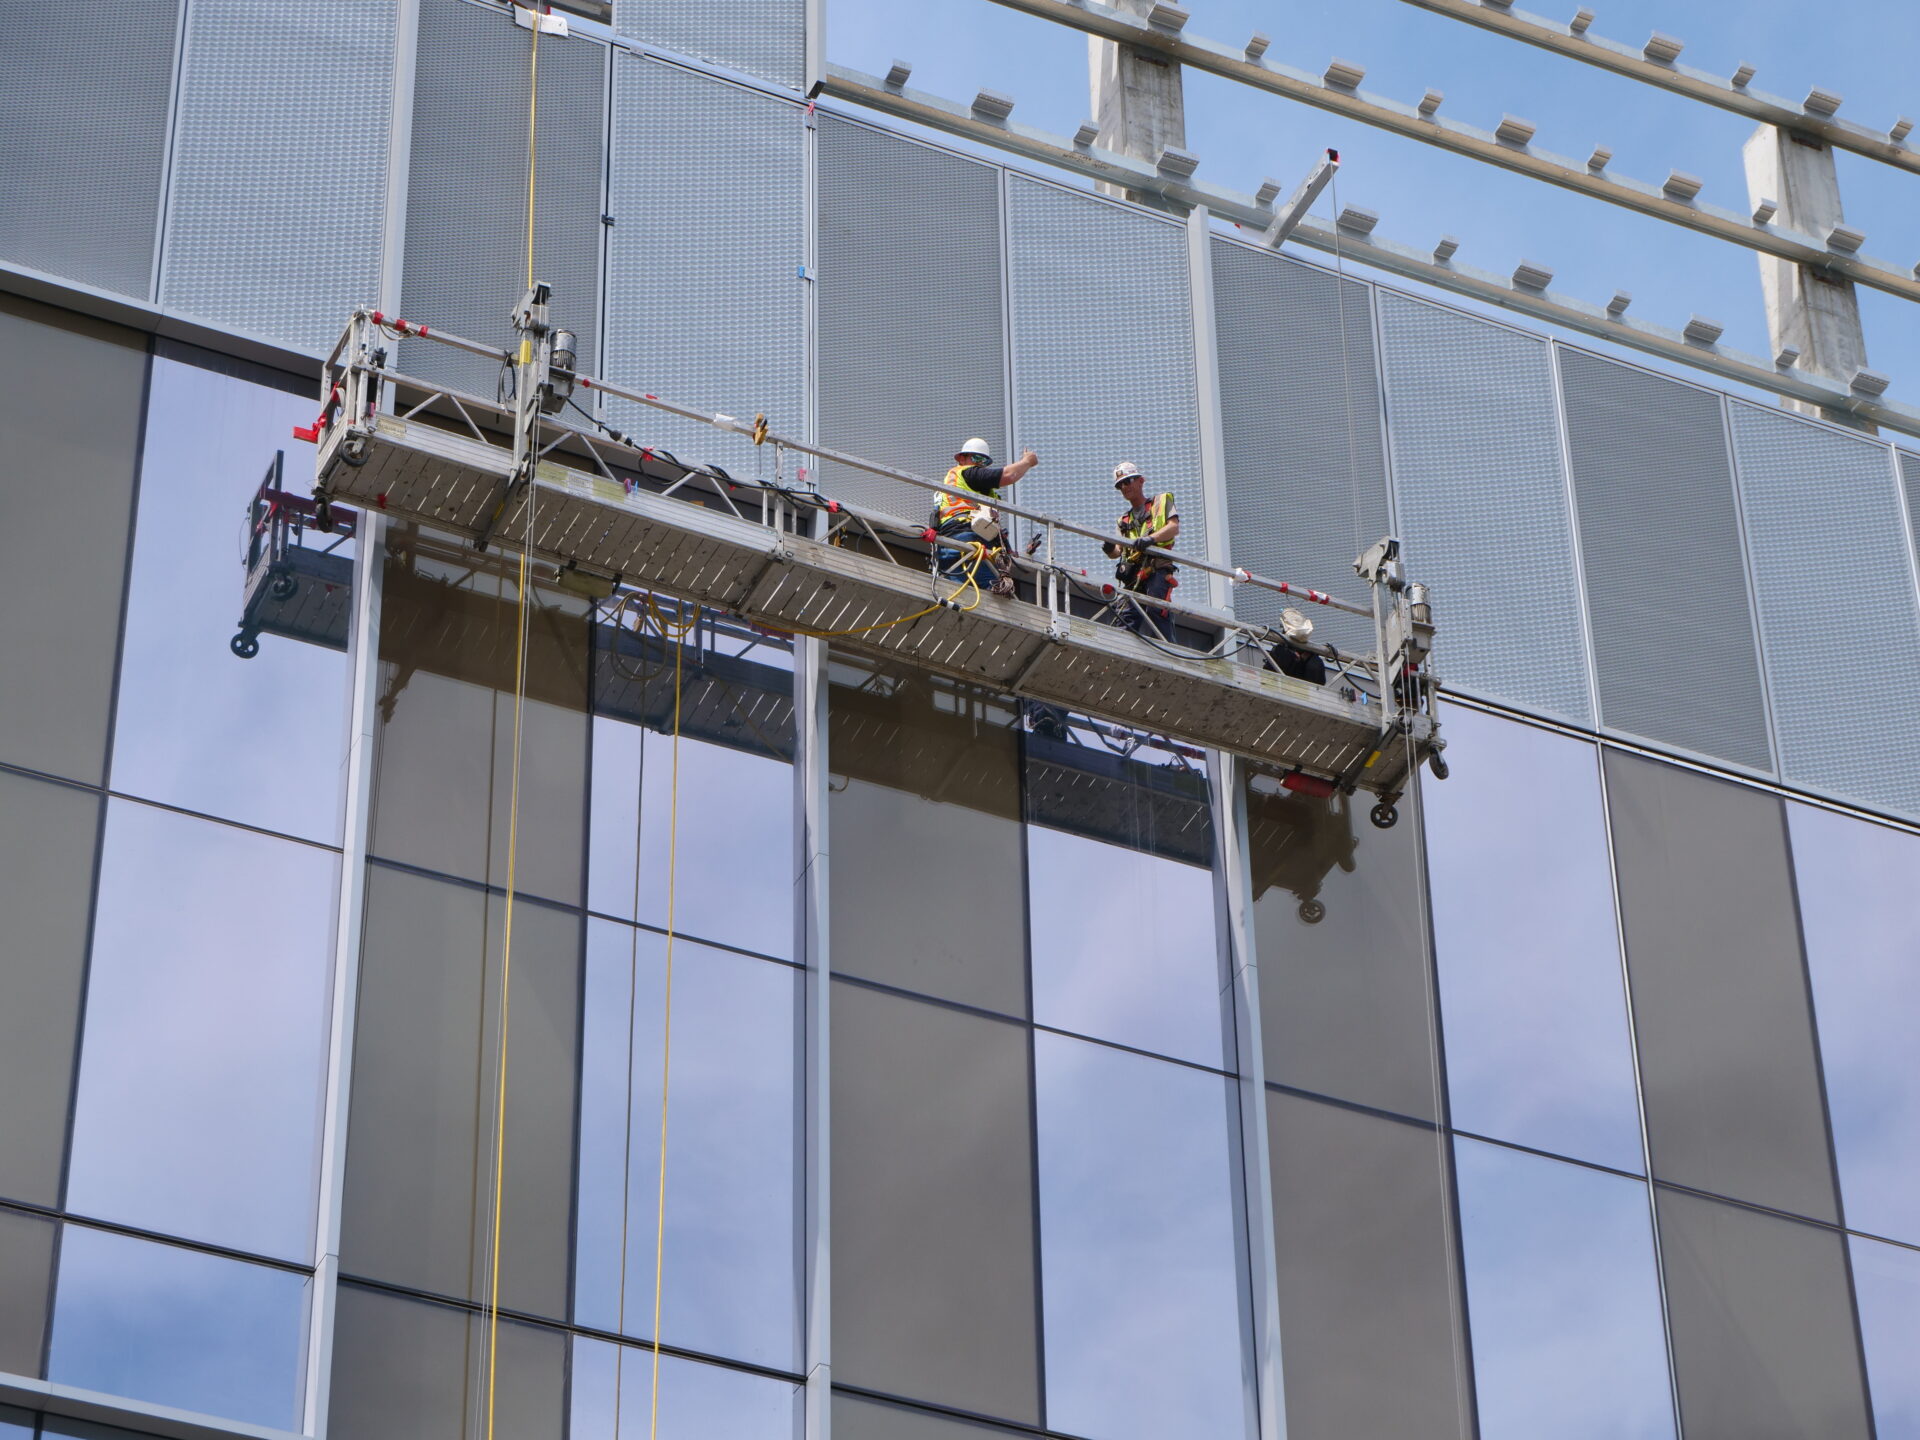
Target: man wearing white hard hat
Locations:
point(968, 518)
point(1149, 527)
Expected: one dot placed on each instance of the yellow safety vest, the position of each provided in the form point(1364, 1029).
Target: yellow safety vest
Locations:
point(947, 507)
point(1133, 526)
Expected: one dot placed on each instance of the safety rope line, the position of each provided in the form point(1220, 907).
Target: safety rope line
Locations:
point(513, 804)
point(673, 634)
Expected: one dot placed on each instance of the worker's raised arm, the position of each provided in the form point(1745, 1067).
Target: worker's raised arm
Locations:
point(1014, 469)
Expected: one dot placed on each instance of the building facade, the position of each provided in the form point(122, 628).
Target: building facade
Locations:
point(1026, 1077)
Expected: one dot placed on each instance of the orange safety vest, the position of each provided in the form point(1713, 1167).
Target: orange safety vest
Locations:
point(1132, 526)
point(949, 507)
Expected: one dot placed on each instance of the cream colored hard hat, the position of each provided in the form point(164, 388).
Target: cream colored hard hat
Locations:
point(975, 446)
point(1294, 625)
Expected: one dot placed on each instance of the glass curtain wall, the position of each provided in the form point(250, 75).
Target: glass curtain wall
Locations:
point(171, 871)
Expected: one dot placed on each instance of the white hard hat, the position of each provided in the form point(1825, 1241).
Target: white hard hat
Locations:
point(975, 446)
point(1294, 625)
point(1126, 470)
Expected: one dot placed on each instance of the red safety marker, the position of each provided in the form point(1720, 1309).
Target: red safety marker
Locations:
point(1304, 784)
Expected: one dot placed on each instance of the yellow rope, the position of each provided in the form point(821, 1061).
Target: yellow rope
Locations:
point(977, 555)
point(513, 805)
point(672, 633)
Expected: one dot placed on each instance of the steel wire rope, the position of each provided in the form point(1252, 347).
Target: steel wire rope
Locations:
point(513, 804)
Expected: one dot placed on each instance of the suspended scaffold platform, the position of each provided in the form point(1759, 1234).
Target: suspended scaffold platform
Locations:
point(607, 512)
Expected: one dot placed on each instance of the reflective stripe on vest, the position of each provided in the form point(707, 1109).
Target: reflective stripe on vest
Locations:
point(1133, 526)
point(948, 506)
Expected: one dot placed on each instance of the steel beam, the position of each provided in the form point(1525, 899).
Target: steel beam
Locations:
point(1406, 261)
point(1510, 147)
point(1724, 92)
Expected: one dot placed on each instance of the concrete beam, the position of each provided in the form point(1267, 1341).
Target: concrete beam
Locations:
point(1733, 93)
point(1410, 262)
point(1808, 311)
point(1513, 153)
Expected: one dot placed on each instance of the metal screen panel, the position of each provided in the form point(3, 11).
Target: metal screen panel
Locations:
point(709, 309)
point(467, 188)
point(912, 318)
point(765, 38)
point(85, 95)
point(1300, 403)
point(274, 220)
point(1673, 633)
point(1910, 480)
point(1824, 520)
point(1482, 497)
point(1102, 361)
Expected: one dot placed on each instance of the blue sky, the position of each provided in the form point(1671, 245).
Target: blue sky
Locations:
point(958, 46)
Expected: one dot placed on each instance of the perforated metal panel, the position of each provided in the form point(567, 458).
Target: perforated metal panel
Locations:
point(1482, 498)
point(1910, 478)
point(85, 92)
point(1835, 591)
point(274, 219)
point(707, 307)
point(467, 189)
point(766, 38)
point(912, 321)
point(1306, 472)
point(1102, 362)
point(1673, 633)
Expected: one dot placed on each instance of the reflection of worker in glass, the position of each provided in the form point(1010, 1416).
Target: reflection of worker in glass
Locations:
point(1150, 528)
point(969, 517)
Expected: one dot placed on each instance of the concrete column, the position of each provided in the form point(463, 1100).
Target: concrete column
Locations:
point(1808, 309)
point(1138, 102)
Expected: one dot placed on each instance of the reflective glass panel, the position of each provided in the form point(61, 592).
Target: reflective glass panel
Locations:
point(259, 740)
point(1762, 1321)
point(611, 1392)
point(924, 813)
point(731, 849)
point(66, 491)
point(935, 1290)
point(15, 1424)
point(406, 1369)
point(1339, 926)
point(1729, 1074)
point(420, 1148)
point(1564, 1298)
point(47, 840)
point(178, 1327)
point(1886, 1280)
point(1122, 939)
point(1144, 1307)
point(444, 788)
point(201, 1068)
point(1863, 952)
point(1373, 1342)
point(855, 1418)
point(1538, 1050)
point(26, 1270)
point(729, 1284)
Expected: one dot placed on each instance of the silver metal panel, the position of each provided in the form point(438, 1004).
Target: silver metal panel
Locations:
point(709, 304)
point(1300, 401)
point(1481, 493)
point(912, 327)
point(1910, 479)
point(275, 210)
point(85, 95)
point(764, 38)
point(1102, 361)
point(1667, 592)
point(467, 190)
point(1834, 583)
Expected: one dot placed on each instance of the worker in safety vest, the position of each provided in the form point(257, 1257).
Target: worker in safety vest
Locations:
point(970, 517)
point(1150, 528)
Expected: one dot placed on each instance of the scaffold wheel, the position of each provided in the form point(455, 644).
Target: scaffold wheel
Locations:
point(244, 645)
point(1384, 816)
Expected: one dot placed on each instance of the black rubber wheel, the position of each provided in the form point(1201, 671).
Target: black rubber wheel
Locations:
point(1312, 911)
point(356, 450)
point(244, 645)
point(1384, 816)
point(1437, 763)
point(284, 587)
point(323, 515)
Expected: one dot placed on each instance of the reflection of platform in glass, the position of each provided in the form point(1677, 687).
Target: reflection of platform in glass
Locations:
point(735, 548)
